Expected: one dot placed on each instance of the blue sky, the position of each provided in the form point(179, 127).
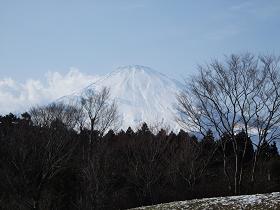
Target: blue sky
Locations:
point(171, 36)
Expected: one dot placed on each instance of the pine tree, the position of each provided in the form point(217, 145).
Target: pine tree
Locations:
point(129, 131)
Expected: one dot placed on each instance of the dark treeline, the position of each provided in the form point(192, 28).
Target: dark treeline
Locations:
point(56, 167)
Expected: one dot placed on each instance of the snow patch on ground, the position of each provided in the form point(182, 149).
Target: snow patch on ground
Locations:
point(258, 201)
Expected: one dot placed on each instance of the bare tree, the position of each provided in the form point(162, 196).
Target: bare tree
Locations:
point(240, 93)
point(159, 125)
point(192, 160)
point(45, 115)
point(147, 163)
point(95, 178)
point(35, 158)
point(101, 112)
point(267, 107)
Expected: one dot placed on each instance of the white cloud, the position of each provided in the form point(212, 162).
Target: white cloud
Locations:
point(20, 96)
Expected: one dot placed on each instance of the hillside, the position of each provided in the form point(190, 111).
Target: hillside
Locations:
point(257, 202)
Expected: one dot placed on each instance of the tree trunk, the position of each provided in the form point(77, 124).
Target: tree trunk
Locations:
point(225, 171)
point(91, 131)
point(241, 164)
point(236, 175)
point(268, 176)
point(35, 204)
point(254, 167)
point(235, 150)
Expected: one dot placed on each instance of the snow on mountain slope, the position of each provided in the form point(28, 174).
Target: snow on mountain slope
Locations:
point(142, 95)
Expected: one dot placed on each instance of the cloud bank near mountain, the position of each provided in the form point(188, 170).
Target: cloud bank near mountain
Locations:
point(18, 96)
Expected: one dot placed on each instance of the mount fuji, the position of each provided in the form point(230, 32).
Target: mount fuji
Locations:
point(142, 95)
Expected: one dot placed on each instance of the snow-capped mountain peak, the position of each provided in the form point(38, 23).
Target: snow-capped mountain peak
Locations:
point(134, 69)
point(142, 95)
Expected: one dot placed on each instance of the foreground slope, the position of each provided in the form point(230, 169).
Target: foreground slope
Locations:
point(258, 202)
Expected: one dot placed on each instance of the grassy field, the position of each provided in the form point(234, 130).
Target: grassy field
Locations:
point(257, 202)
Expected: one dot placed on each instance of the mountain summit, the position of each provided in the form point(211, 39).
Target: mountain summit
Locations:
point(142, 95)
